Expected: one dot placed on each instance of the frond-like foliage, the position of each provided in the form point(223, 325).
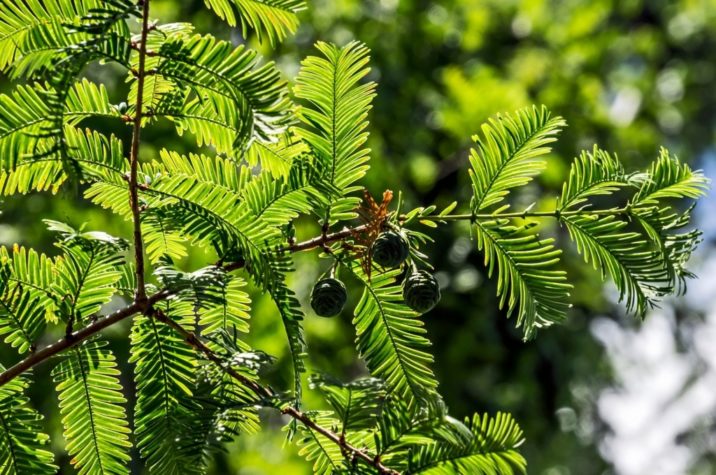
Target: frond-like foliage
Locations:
point(592, 174)
point(230, 312)
point(217, 204)
point(164, 375)
point(409, 438)
point(292, 316)
point(654, 206)
point(87, 273)
point(214, 120)
point(528, 281)
point(92, 409)
point(220, 172)
point(28, 138)
point(402, 428)
point(94, 155)
point(391, 337)
point(25, 299)
point(645, 262)
point(227, 82)
point(108, 194)
point(315, 447)
point(187, 409)
point(276, 157)
point(388, 426)
point(482, 446)
point(161, 238)
point(510, 153)
point(37, 27)
point(335, 118)
point(98, 156)
point(46, 36)
point(675, 240)
point(200, 287)
point(160, 94)
point(669, 178)
point(214, 219)
point(627, 257)
point(23, 113)
point(87, 99)
point(127, 283)
point(262, 162)
point(221, 410)
point(280, 201)
point(110, 188)
point(271, 19)
point(30, 270)
point(22, 441)
point(57, 45)
point(356, 404)
point(201, 198)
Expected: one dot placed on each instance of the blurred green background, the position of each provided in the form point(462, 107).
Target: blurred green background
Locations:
point(629, 75)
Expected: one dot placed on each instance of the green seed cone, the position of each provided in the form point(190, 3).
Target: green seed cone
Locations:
point(421, 291)
point(328, 297)
point(390, 250)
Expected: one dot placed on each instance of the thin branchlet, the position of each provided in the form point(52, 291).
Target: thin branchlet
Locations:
point(134, 159)
point(267, 393)
point(556, 213)
point(72, 339)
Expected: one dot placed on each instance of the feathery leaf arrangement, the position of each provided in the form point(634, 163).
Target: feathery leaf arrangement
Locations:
point(263, 161)
point(92, 408)
point(270, 19)
point(21, 431)
point(334, 119)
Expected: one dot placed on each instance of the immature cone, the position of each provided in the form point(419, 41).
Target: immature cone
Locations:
point(390, 250)
point(421, 291)
point(328, 297)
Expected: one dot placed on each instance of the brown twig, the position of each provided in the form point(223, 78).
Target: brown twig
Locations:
point(264, 392)
point(134, 158)
point(336, 439)
point(323, 239)
point(78, 336)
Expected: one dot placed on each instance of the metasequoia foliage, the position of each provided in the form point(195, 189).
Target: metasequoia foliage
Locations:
point(267, 154)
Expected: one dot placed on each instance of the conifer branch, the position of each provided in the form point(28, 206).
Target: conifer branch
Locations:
point(145, 306)
point(194, 394)
point(139, 306)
